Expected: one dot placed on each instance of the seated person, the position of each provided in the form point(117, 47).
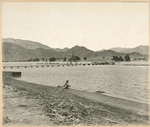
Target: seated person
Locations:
point(66, 86)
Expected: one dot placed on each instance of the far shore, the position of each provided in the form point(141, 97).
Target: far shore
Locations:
point(113, 111)
point(65, 62)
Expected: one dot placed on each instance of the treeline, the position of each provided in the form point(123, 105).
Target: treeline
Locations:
point(36, 59)
point(120, 58)
point(52, 59)
point(77, 58)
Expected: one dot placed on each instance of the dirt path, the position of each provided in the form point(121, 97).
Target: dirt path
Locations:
point(21, 111)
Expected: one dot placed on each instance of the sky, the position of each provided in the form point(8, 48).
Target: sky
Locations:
point(95, 25)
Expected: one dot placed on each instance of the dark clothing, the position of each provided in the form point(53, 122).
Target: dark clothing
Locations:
point(66, 86)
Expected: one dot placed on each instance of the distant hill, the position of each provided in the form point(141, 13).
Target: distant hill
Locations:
point(108, 53)
point(16, 49)
point(26, 43)
point(31, 44)
point(111, 53)
point(119, 49)
point(142, 49)
point(14, 52)
point(61, 50)
point(80, 51)
point(100, 50)
point(137, 55)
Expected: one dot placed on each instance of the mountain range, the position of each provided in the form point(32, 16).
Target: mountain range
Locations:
point(17, 49)
point(142, 49)
point(31, 44)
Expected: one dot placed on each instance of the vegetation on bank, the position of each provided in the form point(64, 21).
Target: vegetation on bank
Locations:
point(120, 58)
point(53, 59)
point(77, 58)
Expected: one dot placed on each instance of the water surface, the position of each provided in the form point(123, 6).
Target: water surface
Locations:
point(129, 82)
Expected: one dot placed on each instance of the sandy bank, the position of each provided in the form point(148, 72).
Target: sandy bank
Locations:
point(21, 111)
point(137, 107)
point(109, 111)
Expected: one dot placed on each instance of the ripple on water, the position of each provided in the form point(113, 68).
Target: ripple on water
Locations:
point(122, 81)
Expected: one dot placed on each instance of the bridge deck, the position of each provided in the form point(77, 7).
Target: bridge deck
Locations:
point(50, 65)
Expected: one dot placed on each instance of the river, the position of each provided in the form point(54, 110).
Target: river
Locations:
point(129, 82)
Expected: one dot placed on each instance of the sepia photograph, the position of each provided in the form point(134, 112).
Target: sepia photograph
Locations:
point(75, 64)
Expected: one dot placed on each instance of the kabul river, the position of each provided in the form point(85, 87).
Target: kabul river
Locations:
point(129, 82)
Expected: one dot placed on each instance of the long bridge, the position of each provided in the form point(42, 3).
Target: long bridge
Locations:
point(50, 65)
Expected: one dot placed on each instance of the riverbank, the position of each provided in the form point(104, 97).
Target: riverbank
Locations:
point(72, 107)
point(19, 110)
